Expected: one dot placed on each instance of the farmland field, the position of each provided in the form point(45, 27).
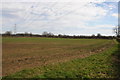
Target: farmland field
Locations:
point(27, 57)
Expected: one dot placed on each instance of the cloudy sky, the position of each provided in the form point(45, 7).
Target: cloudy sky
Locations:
point(70, 18)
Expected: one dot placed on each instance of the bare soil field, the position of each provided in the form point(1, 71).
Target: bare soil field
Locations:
point(27, 53)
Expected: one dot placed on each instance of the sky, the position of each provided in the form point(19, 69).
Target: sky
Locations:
point(69, 18)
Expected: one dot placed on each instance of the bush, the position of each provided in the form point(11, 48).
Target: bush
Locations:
point(118, 40)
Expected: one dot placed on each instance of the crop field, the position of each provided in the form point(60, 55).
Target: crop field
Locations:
point(25, 57)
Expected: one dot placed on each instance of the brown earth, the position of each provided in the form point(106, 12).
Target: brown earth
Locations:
point(17, 57)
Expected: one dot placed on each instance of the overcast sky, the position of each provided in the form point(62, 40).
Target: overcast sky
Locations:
point(70, 18)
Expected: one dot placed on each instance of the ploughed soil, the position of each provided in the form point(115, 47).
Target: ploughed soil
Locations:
point(19, 56)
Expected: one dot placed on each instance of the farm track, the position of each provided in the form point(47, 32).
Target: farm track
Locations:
point(12, 65)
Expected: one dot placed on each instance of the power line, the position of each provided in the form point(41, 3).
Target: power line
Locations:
point(40, 16)
point(27, 16)
point(15, 29)
point(36, 17)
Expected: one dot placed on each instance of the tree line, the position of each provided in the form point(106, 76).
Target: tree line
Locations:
point(51, 35)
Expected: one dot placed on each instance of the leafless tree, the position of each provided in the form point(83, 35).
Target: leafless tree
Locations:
point(8, 33)
point(117, 31)
point(47, 34)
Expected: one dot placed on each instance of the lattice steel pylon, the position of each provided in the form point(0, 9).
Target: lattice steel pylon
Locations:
point(15, 29)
